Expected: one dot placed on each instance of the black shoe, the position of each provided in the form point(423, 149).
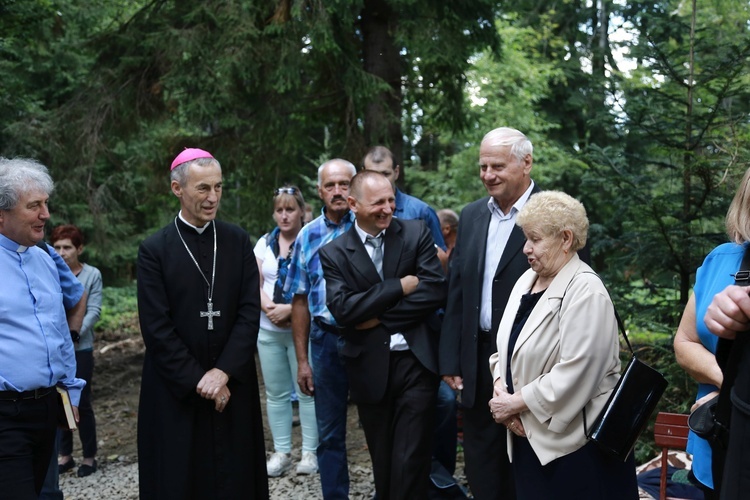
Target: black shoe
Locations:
point(63, 468)
point(86, 470)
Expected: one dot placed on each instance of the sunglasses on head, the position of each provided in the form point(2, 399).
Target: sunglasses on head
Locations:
point(289, 190)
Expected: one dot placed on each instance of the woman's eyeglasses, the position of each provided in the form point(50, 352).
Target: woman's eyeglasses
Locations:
point(289, 190)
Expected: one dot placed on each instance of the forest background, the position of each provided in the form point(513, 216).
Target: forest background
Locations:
point(639, 108)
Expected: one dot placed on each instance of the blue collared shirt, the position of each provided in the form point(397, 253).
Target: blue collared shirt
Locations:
point(305, 276)
point(36, 350)
point(411, 208)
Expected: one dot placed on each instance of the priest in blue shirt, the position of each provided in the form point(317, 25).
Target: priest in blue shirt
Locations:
point(36, 349)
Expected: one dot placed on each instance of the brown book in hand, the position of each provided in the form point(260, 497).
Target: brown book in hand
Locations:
point(66, 419)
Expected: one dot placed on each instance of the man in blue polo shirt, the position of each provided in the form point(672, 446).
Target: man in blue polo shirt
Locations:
point(36, 351)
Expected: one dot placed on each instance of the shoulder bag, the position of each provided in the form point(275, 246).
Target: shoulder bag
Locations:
point(628, 408)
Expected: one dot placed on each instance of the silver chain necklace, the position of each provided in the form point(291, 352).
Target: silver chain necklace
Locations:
point(210, 313)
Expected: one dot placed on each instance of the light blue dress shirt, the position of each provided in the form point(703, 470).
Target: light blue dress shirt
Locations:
point(36, 350)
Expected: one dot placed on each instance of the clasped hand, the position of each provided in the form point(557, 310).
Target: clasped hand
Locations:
point(213, 385)
point(505, 409)
point(280, 314)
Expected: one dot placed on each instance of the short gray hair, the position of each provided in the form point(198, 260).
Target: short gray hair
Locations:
point(345, 163)
point(448, 216)
point(180, 172)
point(520, 145)
point(22, 175)
point(552, 212)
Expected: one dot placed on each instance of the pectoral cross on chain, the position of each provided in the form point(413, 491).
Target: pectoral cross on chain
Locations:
point(210, 315)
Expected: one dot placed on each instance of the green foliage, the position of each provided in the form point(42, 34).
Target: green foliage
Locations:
point(503, 89)
point(119, 317)
point(683, 123)
point(119, 88)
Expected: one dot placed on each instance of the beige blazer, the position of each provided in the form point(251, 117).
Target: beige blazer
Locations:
point(565, 358)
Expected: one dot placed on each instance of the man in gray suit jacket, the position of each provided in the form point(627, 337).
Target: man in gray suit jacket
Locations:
point(485, 264)
point(384, 295)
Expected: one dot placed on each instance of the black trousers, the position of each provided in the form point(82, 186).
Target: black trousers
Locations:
point(485, 447)
point(399, 429)
point(735, 484)
point(27, 437)
point(586, 473)
point(87, 423)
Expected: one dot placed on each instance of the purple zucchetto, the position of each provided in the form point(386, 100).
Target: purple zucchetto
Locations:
point(190, 154)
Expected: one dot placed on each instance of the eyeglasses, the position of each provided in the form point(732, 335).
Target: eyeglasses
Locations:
point(289, 190)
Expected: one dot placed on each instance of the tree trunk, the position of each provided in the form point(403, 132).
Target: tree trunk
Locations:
point(381, 58)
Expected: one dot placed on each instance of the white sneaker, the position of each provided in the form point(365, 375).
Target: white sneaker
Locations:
point(278, 464)
point(308, 464)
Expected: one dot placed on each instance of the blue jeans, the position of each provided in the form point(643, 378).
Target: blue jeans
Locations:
point(278, 363)
point(331, 394)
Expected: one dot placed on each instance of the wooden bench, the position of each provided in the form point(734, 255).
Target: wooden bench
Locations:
point(670, 431)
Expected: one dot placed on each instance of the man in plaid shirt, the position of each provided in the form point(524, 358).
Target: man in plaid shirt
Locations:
point(312, 322)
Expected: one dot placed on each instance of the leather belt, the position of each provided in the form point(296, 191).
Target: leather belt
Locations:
point(484, 336)
point(327, 327)
point(35, 394)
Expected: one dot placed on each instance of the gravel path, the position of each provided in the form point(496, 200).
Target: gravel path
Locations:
point(116, 387)
point(119, 481)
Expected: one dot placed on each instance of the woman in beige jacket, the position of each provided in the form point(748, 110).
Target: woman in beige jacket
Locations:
point(557, 362)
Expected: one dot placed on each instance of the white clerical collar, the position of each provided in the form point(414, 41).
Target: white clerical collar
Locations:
point(199, 229)
point(363, 235)
point(11, 245)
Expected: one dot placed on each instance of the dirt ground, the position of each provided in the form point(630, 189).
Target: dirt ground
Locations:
point(116, 385)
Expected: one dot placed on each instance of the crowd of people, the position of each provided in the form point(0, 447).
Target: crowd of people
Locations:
point(379, 301)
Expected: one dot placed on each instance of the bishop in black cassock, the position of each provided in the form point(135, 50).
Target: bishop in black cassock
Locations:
point(189, 445)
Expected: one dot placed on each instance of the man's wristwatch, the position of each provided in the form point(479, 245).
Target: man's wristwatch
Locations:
point(75, 335)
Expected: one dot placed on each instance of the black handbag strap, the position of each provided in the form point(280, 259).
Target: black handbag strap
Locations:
point(620, 327)
point(729, 352)
point(620, 324)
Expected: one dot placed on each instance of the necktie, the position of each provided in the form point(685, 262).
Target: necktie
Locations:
point(377, 253)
